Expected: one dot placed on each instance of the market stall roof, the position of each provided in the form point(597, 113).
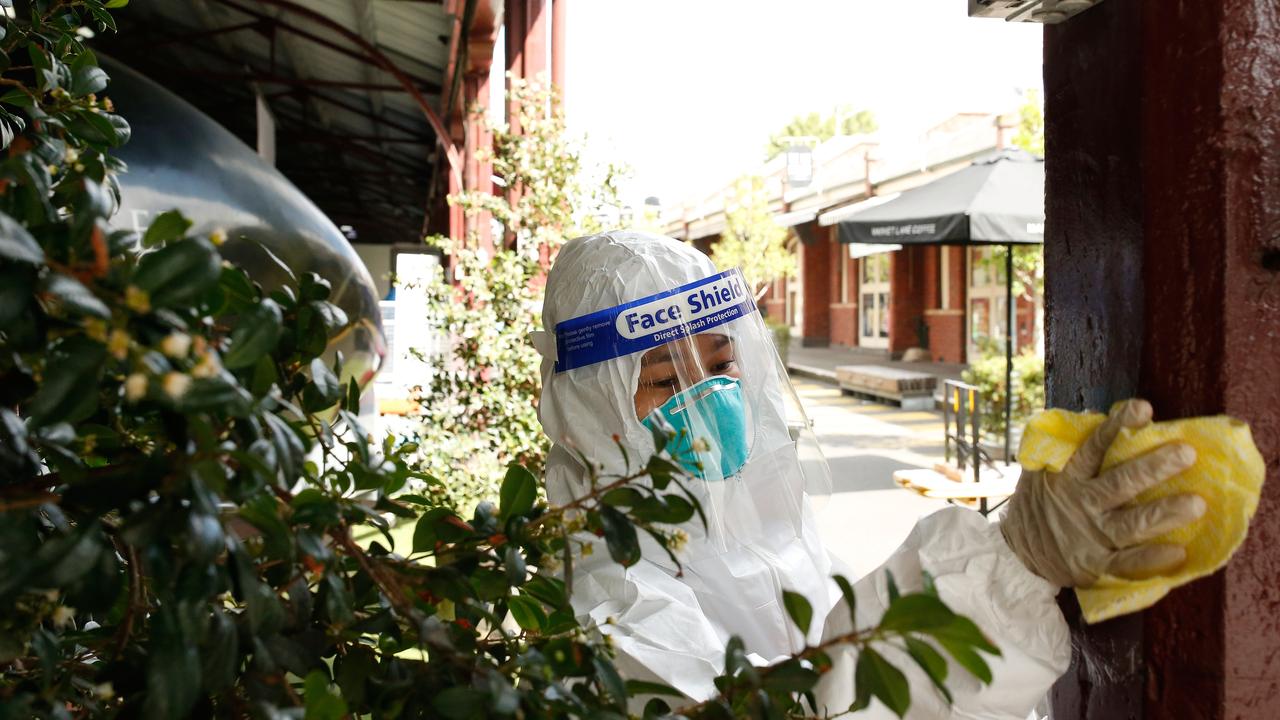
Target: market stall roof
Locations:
point(355, 89)
point(998, 200)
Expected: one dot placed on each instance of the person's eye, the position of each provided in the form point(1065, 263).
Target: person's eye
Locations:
point(667, 382)
point(724, 367)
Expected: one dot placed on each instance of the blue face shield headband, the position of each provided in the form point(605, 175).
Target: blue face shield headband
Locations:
point(711, 408)
point(652, 321)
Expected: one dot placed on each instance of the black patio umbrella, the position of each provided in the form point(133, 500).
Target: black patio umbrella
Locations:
point(998, 200)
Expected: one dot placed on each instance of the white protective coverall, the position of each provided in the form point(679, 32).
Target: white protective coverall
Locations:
point(763, 538)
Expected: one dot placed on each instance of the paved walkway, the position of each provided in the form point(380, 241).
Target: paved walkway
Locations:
point(867, 516)
point(821, 362)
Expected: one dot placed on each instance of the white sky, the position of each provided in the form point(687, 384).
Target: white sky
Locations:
point(687, 92)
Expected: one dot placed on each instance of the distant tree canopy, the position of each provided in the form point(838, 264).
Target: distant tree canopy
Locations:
point(1030, 135)
point(752, 240)
point(822, 127)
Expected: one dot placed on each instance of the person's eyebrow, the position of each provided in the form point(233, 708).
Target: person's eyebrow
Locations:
point(720, 342)
point(657, 357)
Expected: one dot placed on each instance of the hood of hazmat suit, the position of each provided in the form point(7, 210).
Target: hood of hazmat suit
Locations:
point(643, 332)
point(641, 318)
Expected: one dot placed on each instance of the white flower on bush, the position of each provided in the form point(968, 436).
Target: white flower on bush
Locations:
point(208, 366)
point(175, 384)
point(176, 345)
point(135, 387)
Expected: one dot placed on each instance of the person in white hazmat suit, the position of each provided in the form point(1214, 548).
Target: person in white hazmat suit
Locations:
point(643, 331)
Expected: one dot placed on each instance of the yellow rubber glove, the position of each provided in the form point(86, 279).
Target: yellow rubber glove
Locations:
point(1073, 526)
point(1228, 473)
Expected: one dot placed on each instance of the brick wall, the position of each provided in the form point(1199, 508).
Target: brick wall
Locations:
point(815, 270)
point(844, 324)
point(908, 277)
point(946, 334)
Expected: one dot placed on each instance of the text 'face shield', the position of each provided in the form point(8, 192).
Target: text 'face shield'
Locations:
point(708, 374)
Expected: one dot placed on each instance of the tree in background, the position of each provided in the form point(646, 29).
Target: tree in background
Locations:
point(841, 121)
point(1030, 135)
point(752, 239)
point(480, 407)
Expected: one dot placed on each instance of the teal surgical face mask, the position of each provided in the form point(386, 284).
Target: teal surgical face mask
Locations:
point(712, 411)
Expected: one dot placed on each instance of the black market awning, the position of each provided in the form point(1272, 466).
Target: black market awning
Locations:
point(998, 200)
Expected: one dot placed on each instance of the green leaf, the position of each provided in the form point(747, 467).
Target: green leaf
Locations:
point(610, 681)
point(167, 226)
point(173, 668)
point(460, 703)
point(17, 286)
point(113, 4)
point(67, 558)
point(69, 389)
point(237, 290)
point(179, 274)
point(220, 654)
point(875, 676)
point(18, 244)
point(323, 391)
point(519, 492)
point(790, 677)
point(321, 704)
point(352, 671)
point(620, 536)
point(644, 687)
point(317, 321)
point(74, 296)
point(440, 523)
point(916, 613)
point(86, 77)
point(850, 598)
point(550, 591)
point(313, 287)
point(218, 393)
point(527, 612)
point(932, 662)
point(892, 585)
point(967, 657)
point(254, 335)
point(17, 97)
point(962, 630)
point(799, 609)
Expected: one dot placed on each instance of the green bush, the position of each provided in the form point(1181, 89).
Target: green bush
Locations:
point(781, 339)
point(988, 375)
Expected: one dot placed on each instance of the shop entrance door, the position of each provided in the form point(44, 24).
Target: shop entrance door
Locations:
point(873, 302)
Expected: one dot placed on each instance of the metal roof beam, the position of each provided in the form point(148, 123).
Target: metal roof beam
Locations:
point(270, 79)
point(421, 82)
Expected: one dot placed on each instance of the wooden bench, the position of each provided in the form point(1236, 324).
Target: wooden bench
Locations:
point(910, 390)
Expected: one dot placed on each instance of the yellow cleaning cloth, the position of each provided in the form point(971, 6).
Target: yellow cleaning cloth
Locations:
point(1228, 474)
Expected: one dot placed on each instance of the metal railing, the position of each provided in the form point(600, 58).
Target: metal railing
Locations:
point(962, 423)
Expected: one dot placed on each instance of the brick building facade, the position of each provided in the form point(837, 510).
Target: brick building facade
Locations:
point(945, 300)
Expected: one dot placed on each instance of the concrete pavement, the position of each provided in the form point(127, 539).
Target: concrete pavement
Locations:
point(867, 516)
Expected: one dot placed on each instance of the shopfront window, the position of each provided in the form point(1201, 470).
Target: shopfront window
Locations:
point(874, 293)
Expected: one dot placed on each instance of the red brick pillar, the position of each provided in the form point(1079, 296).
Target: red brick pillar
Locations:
point(1163, 279)
point(907, 296)
point(478, 140)
point(815, 274)
point(559, 42)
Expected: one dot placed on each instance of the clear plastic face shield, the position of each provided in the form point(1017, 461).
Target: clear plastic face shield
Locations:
point(704, 369)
